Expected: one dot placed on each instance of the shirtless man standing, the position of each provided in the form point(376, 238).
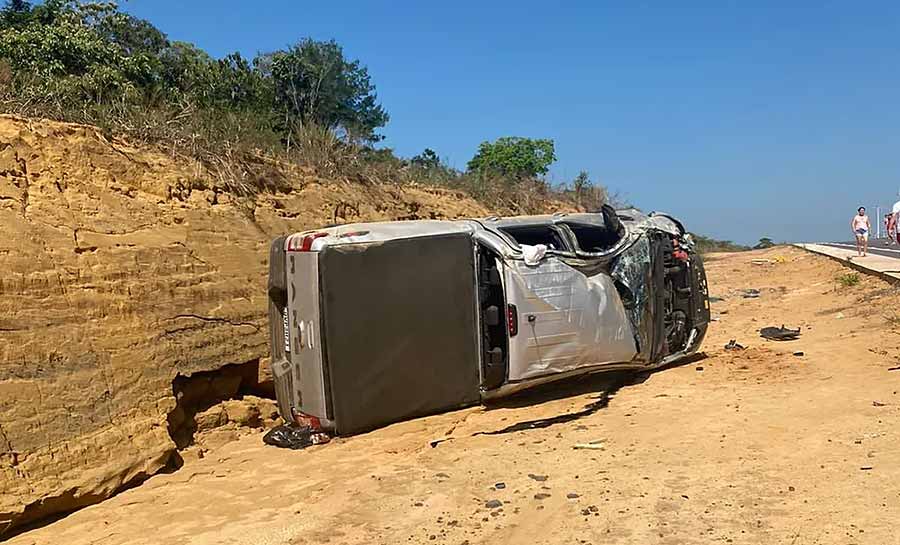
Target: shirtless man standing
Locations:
point(861, 227)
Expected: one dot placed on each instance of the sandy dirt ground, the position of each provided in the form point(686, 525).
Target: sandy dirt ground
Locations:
point(753, 446)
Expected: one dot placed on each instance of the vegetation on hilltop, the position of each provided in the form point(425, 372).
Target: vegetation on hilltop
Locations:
point(707, 245)
point(90, 62)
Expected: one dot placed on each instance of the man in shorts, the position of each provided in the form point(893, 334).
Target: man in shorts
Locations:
point(859, 223)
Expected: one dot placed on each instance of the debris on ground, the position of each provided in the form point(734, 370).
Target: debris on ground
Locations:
point(799, 353)
point(779, 333)
point(592, 445)
point(894, 368)
point(878, 404)
point(773, 261)
point(294, 437)
point(698, 368)
point(734, 345)
point(751, 293)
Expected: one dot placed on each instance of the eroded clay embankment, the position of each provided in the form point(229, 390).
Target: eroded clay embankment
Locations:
point(123, 269)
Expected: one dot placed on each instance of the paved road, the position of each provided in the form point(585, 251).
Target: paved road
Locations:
point(876, 246)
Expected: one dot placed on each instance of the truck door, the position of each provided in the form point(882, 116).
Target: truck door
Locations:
point(562, 320)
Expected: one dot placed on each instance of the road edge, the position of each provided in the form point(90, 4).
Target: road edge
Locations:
point(812, 248)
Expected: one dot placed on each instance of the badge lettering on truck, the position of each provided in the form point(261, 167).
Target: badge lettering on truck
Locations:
point(286, 326)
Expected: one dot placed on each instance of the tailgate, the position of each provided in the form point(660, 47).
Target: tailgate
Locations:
point(400, 328)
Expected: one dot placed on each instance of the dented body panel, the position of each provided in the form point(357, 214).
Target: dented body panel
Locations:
point(566, 320)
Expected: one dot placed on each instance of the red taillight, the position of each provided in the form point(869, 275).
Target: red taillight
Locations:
point(298, 243)
point(307, 420)
point(309, 239)
point(512, 318)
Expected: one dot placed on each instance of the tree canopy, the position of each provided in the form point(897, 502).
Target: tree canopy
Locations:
point(514, 157)
point(72, 52)
point(764, 242)
point(315, 82)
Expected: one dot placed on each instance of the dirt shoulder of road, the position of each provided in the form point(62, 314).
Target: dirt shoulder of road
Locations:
point(751, 446)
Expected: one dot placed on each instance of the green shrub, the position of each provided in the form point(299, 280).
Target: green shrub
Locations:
point(848, 279)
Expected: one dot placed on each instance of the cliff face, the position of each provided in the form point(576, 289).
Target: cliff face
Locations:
point(123, 268)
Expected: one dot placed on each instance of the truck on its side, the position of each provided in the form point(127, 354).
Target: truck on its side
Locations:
point(374, 323)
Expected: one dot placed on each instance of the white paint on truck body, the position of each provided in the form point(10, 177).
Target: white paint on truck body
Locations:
point(566, 321)
point(304, 332)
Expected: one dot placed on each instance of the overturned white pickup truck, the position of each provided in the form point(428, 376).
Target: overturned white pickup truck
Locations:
point(380, 322)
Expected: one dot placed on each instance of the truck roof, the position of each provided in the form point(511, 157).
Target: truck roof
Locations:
point(400, 229)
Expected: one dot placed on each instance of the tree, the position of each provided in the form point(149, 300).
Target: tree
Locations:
point(134, 36)
point(588, 195)
point(15, 13)
point(314, 83)
point(514, 157)
point(63, 38)
point(764, 243)
point(581, 183)
point(428, 159)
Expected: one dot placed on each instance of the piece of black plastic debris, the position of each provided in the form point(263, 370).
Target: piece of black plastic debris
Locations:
point(866, 468)
point(779, 333)
point(799, 353)
point(294, 437)
point(734, 345)
point(698, 368)
point(436, 442)
point(894, 368)
point(878, 404)
point(751, 293)
point(500, 486)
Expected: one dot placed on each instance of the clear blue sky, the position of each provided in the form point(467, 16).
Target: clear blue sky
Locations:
point(746, 119)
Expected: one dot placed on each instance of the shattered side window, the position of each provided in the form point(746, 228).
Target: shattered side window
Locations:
point(532, 235)
point(594, 238)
